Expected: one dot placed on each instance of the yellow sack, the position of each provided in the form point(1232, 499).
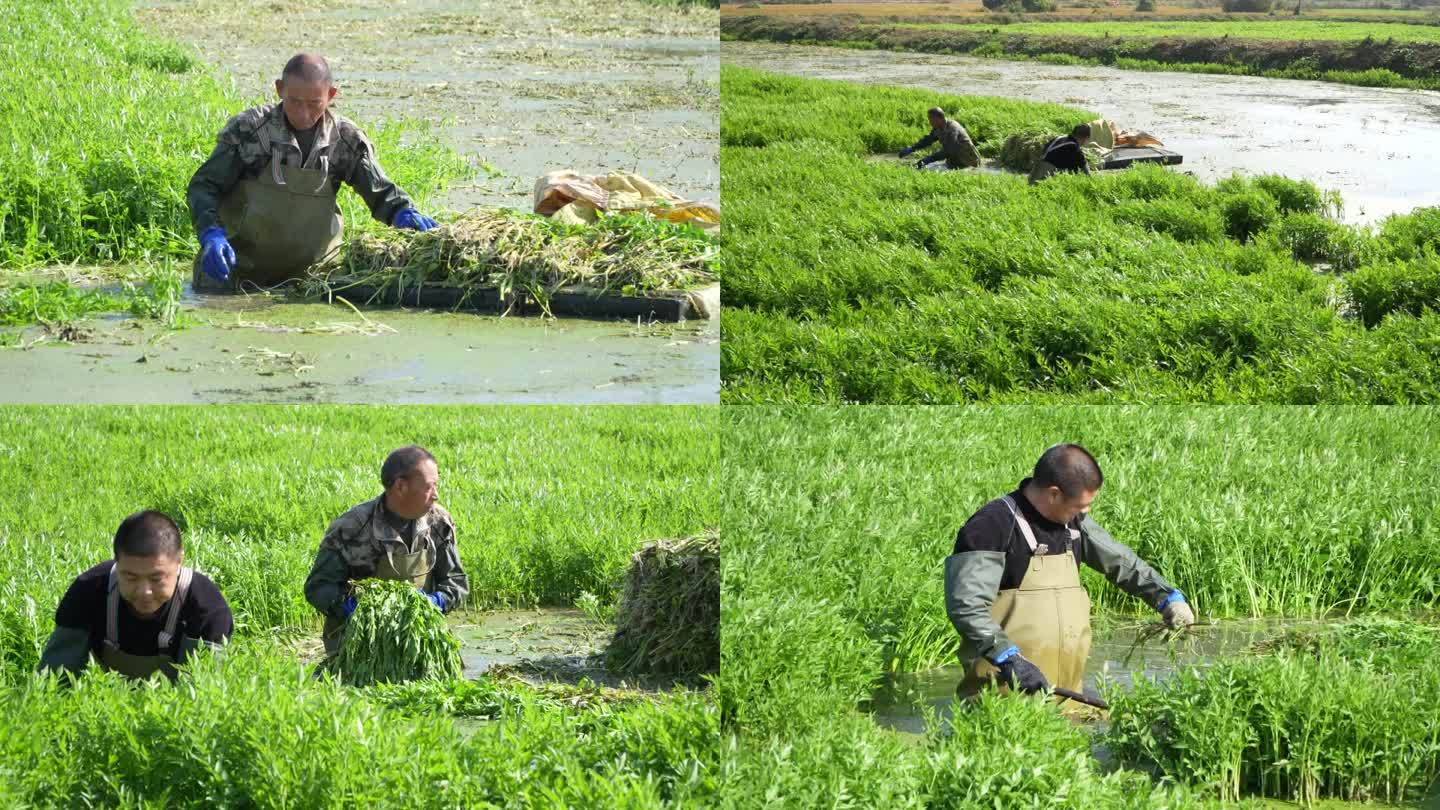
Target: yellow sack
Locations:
point(1109, 135)
point(575, 198)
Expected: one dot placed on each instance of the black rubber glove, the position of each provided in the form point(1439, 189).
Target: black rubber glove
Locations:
point(1019, 673)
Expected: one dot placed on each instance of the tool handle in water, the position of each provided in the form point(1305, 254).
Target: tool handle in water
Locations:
point(1082, 698)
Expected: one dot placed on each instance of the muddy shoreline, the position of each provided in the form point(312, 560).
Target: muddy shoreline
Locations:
point(1410, 60)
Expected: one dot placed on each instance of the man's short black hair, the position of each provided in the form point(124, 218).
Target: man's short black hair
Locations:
point(402, 462)
point(1069, 467)
point(307, 67)
point(147, 534)
point(1080, 131)
point(934, 111)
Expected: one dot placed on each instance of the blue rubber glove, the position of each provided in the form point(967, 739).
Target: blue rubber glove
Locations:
point(412, 219)
point(1172, 597)
point(438, 600)
point(348, 606)
point(217, 258)
point(1018, 672)
point(1175, 610)
point(906, 152)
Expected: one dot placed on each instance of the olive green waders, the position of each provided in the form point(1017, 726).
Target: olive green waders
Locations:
point(414, 567)
point(1041, 170)
point(279, 223)
point(141, 666)
point(1047, 617)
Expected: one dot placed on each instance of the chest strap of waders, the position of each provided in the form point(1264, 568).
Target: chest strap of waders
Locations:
point(172, 616)
point(279, 176)
point(1029, 533)
point(430, 544)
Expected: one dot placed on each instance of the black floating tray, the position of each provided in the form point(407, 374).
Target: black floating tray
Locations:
point(665, 306)
point(1124, 156)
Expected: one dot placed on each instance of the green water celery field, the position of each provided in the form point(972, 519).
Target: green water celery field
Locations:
point(549, 504)
point(840, 519)
point(851, 278)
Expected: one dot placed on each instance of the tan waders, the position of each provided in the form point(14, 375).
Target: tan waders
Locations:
point(1047, 617)
point(279, 224)
point(141, 666)
point(414, 567)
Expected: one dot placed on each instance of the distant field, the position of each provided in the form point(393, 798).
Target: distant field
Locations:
point(1370, 51)
point(1244, 29)
point(973, 8)
point(908, 9)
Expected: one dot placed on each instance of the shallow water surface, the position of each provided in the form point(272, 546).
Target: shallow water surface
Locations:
point(260, 349)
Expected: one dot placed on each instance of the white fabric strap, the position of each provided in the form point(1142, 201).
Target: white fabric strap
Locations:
point(182, 588)
point(324, 173)
point(112, 610)
point(275, 167)
point(172, 616)
point(1021, 521)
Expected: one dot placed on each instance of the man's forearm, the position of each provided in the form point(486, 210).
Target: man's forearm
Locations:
point(450, 579)
point(972, 582)
point(67, 650)
point(383, 197)
point(1121, 566)
point(212, 181)
point(325, 586)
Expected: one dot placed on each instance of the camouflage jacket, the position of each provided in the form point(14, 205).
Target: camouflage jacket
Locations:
point(357, 541)
point(245, 146)
point(956, 148)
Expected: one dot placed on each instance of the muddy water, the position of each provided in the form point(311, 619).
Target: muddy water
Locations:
point(1372, 145)
point(547, 645)
point(1114, 655)
point(523, 86)
point(506, 638)
point(260, 350)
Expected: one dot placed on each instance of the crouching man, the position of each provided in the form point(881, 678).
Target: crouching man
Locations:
point(143, 611)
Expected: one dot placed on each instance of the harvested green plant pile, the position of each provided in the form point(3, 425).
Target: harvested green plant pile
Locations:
point(522, 254)
point(395, 635)
point(1022, 149)
point(669, 616)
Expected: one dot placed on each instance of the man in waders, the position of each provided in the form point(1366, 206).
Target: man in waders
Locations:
point(956, 148)
point(403, 534)
point(142, 612)
point(1064, 154)
point(263, 203)
point(1012, 586)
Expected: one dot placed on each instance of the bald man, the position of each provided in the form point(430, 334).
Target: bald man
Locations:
point(263, 203)
point(956, 148)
